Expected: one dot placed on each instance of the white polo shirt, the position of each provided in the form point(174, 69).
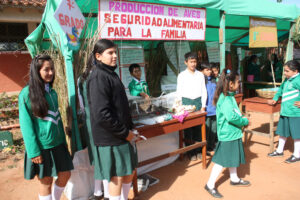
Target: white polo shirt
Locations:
point(192, 85)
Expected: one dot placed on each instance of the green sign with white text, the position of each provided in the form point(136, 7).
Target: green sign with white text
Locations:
point(6, 139)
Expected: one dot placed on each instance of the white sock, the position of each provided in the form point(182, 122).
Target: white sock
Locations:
point(106, 188)
point(215, 172)
point(296, 148)
point(281, 143)
point(115, 198)
point(57, 191)
point(98, 188)
point(125, 191)
point(45, 197)
point(233, 175)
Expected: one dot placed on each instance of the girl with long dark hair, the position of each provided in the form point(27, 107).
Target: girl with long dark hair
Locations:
point(46, 152)
point(111, 121)
point(229, 151)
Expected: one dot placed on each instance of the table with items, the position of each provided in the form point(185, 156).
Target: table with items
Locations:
point(260, 105)
point(153, 118)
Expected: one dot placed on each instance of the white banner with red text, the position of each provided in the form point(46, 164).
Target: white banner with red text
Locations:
point(146, 21)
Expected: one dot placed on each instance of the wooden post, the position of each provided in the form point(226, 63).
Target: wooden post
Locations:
point(181, 138)
point(135, 185)
point(290, 47)
point(222, 41)
point(203, 131)
point(271, 132)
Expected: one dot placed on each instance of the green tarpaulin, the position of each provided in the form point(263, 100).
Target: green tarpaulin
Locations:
point(237, 17)
point(237, 14)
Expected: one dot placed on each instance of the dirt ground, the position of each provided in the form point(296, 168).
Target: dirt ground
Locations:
point(270, 178)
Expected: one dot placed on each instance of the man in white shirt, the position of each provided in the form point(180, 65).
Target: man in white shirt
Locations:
point(192, 91)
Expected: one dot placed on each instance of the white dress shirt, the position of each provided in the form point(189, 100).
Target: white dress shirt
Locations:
point(192, 85)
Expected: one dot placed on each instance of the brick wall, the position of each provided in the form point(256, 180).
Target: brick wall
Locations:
point(14, 69)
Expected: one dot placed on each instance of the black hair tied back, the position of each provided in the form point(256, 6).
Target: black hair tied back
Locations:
point(227, 75)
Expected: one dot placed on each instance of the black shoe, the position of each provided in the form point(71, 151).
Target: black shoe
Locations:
point(94, 197)
point(240, 183)
point(292, 159)
point(213, 192)
point(275, 154)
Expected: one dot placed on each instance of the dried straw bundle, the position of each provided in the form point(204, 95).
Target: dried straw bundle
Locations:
point(79, 65)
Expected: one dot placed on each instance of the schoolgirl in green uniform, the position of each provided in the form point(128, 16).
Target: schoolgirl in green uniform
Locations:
point(99, 194)
point(229, 151)
point(111, 121)
point(46, 152)
point(289, 122)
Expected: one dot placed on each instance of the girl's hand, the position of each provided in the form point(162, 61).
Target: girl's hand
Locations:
point(271, 102)
point(297, 104)
point(130, 136)
point(249, 123)
point(202, 109)
point(37, 160)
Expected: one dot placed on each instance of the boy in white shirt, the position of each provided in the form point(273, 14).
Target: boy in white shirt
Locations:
point(192, 91)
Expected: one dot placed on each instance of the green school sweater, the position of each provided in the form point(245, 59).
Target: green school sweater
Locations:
point(135, 87)
point(229, 118)
point(40, 133)
point(289, 93)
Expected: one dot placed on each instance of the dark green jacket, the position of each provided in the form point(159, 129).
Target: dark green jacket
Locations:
point(40, 133)
point(229, 118)
point(135, 87)
point(289, 92)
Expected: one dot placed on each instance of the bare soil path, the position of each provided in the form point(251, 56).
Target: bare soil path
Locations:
point(271, 178)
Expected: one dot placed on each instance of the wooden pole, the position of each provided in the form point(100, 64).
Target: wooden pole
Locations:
point(222, 41)
point(290, 47)
point(273, 75)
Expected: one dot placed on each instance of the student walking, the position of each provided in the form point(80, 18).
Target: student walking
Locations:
point(229, 151)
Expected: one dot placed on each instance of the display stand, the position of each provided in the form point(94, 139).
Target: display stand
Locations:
point(193, 119)
point(260, 105)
